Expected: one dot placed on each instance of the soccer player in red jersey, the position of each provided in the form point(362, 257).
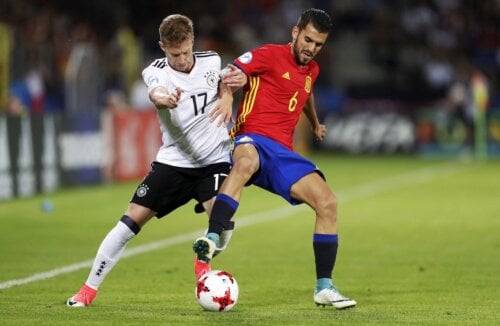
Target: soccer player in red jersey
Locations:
point(279, 89)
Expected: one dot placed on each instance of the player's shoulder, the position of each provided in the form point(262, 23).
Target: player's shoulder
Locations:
point(156, 67)
point(268, 51)
point(155, 71)
point(207, 60)
point(159, 63)
point(206, 54)
point(272, 47)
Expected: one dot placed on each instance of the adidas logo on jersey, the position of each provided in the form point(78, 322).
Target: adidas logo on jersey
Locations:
point(286, 75)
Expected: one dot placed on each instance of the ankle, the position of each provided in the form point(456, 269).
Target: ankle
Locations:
point(214, 237)
point(323, 283)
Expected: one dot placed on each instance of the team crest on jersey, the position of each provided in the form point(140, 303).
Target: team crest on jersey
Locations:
point(212, 78)
point(307, 86)
point(142, 190)
point(245, 57)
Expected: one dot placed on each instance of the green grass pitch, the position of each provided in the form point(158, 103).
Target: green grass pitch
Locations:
point(419, 244)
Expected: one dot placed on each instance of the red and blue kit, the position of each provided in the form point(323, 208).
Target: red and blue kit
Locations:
point(275, 94)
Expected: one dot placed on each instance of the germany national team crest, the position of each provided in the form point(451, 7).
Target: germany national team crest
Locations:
point(142, 190)
point(212, 78)
point(307, 86)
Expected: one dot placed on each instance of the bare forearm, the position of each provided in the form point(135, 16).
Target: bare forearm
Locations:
point(164, 100)
point(310, 112)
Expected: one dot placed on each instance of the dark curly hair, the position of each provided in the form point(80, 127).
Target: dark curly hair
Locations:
point(319, 18)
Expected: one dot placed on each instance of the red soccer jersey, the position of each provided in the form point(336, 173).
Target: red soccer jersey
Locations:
point(275, 94)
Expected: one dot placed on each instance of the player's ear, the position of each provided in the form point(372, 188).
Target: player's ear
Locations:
point(162, 46)
point(295, 33)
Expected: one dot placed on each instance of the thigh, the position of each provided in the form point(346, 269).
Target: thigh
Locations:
point(208, 180)
point(164, 189)
point(311, 189)
point(280, 168)
point(139, 214)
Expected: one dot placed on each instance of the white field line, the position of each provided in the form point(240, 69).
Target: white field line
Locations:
point(361, 191)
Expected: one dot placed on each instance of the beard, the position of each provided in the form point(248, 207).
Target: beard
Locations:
point(296, 55)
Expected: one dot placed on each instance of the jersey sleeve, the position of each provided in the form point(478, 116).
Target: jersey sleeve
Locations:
point(154, 76)
point(256, 61)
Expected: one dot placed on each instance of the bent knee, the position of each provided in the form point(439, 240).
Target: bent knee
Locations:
point(245, 166)
point(327, 206)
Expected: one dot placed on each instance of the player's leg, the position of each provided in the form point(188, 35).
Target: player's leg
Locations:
point(207, 185)
point(202, 267)
point(226, 234)
point(313, 190)
point(152, 197)
point(110, 251)
point(245, 164)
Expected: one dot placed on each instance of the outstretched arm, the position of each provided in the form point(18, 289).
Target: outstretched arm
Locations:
point(164, 100)
point(310, 112)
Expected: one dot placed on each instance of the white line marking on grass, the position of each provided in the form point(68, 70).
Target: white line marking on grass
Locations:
point(361, 191)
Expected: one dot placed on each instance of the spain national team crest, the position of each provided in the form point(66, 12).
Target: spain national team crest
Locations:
point(212, 78)
point(307, 86)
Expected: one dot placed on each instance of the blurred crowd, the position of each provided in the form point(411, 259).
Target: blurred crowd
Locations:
point(86, 55)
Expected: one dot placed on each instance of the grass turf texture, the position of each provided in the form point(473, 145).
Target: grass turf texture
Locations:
point(419, 244)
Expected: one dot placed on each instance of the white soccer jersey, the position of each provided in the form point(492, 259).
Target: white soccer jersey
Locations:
point(189, 138)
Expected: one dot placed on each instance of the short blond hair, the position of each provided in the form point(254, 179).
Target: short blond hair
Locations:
point(175, 29)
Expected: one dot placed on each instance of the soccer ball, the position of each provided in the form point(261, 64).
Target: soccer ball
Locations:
point(217, 291)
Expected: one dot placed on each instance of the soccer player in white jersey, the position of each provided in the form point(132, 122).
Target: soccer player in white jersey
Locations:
point(194, 104)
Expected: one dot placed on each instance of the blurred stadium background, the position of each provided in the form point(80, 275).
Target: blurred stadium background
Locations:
point(416, 77)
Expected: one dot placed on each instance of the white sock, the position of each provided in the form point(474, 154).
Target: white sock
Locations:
point(109, 253)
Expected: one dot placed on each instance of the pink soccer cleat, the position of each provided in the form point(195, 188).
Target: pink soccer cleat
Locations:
point(83, 298)
point(201, 267)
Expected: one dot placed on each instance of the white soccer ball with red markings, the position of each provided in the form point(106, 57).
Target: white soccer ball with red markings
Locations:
point(217, 291)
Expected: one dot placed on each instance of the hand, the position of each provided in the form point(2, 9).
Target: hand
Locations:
point(320, 132)
point(224, 110)
point(232, 76)
point(163, 100)
point(173, 98)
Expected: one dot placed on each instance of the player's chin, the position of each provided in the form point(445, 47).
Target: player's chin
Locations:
point(305, 60)
point(181, 68)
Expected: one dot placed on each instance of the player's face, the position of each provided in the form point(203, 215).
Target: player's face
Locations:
point(179, 56)
point(307, 43)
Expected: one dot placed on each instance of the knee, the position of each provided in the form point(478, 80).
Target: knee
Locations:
point(245, 167)
point(327, 207)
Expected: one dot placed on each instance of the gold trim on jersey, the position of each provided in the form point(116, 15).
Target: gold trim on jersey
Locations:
point(248, 102)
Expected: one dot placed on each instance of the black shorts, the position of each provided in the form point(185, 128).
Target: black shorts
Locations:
point(167, 187)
